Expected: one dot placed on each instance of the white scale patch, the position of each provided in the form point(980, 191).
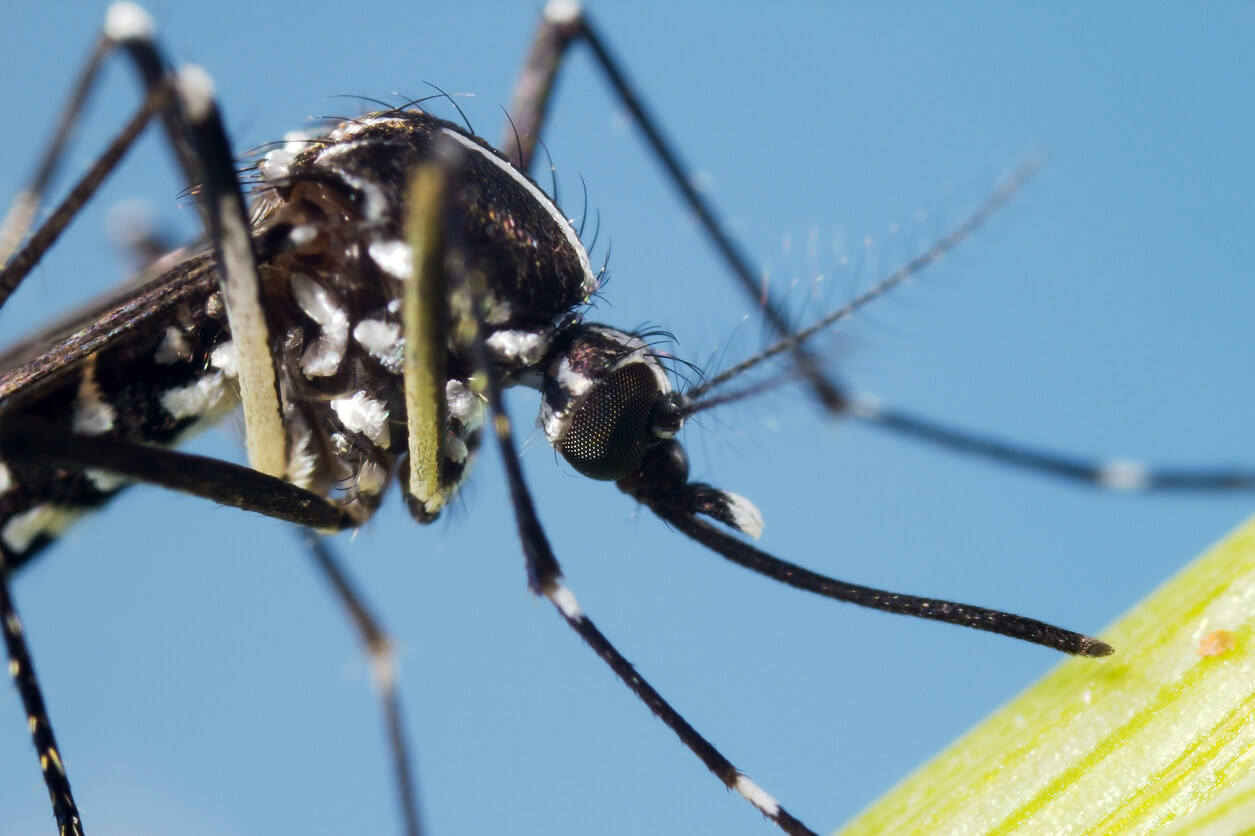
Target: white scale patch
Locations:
point(499, 311)
point(196, 89)
point(174, 347)
point(525, 347)
point(21, 529)
point(575, 384)
point(195, 399)
point(1123, 475)
point(745, 514)
point(464, 404)
point(868, 407)
point(394, 257)
point(454, 449)
point(93, 415)
point(105, 481)
point(383, 341)
point(757, 796)
point(6, 479)
point(371, 478)
point(331, 153)
point(277, 164)
point(303, 235)
point(214, 305)
point(375, 201)
point(225, 359)
point(467, 407)
point(562, 11)
point(565, 601)
point(363, 414)
point(301, 459)
point(127, 21)
point(323, 357)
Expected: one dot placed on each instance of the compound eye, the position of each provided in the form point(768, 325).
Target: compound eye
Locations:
point(610, 431)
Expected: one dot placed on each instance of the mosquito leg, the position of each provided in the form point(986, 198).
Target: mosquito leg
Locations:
point(20, 215)
point(22, 670)
point(194, 126)
point(1113, 475)
point(383, 671)
point(1117, 475)
point(200, 142)
point(564, 23)
point(17, 269)
point(129, 28)
point(222, 482)
point(424, 315)
point(219, 481)
point(265, 436)
point(544, 573)
point(560, 26)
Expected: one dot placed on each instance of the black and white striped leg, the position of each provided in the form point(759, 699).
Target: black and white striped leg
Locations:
point(564, 24)
point(383, 673)
point(218, 481)
point(227, 214)
point(226, 484)
point(550, 585)
point(22, 213)
point(1116, 475)
point(129, 28)
point(19, 266)
point(194, 126)
point(561, 25)
point(221, 482)
point(543, 570)
point(22, 670)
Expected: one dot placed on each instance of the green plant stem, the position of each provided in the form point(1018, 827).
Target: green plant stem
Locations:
point(1158, 738)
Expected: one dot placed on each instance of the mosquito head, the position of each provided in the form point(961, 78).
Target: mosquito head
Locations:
point(606, 401)
point(608, 407)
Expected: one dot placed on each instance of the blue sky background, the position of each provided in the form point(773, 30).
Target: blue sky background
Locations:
point(203, 682)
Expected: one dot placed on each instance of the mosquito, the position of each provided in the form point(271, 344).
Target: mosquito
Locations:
point(484, 465)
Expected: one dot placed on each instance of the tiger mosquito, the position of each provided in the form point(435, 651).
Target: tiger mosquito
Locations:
point(310, 303)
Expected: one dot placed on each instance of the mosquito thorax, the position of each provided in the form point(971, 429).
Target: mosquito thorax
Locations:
point(334, 287)
point(353, 180)
point(606, 400)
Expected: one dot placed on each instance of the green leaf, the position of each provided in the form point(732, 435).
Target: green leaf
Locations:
point(1158, 738)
